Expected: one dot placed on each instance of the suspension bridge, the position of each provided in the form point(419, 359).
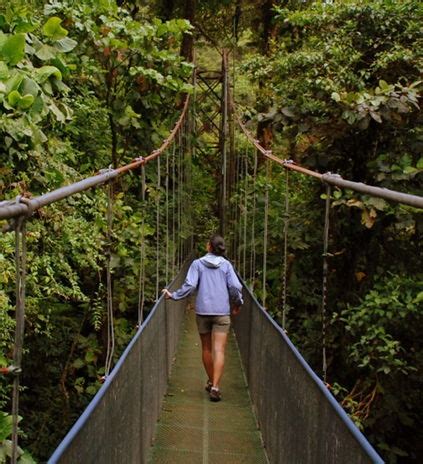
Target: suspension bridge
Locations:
point(152, 408)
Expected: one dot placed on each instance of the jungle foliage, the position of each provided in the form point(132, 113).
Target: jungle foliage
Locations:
point(342, 92)
point(334, 86)
point(82, 87)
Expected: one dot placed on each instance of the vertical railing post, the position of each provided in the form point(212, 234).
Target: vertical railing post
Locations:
point(20, 263)
point(325, 279)
point(223, 140)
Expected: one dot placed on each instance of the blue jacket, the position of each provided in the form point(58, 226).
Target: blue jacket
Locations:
point(217, 284)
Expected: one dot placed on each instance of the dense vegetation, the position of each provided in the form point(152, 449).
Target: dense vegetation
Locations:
point(85, 85)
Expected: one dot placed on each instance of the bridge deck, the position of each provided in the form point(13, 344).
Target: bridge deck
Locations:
point(194, 430)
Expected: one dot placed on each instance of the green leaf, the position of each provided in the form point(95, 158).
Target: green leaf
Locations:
point(14, 82)
point(13, 98)
point(45, 52)
point(53, 29)
point(4, 71)
point(410, 170)
point(420, 164)
point(13, 49)
point(65, 45)
point(26, 101)
point(46, 71)
point(335, 96)
point(78, 363)
point(29, 86)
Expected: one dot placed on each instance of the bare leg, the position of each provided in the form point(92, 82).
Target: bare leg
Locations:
point(219, 344)
point(206, 345)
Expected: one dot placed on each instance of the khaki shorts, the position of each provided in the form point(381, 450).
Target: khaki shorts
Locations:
point(207, 324)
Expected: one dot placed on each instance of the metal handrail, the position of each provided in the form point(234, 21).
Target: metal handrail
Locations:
point(26, 206)
point(334, 179)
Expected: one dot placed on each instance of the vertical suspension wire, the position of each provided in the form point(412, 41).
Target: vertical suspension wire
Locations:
point(167, 218)
point(20, 264)
point(285, 249)
point(253, 226)
point(192, 151)
point(158, 228)
point(141, 279)
point(265, 230)
point(244, 239)
point(325, 278)
point(180, 188)
point(174, 207)
point(236, 210)
point(240, 208)
point(183, 193)
point(224, 135)
point(110, 322)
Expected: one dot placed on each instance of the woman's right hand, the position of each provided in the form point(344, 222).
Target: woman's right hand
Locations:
point(166, 293)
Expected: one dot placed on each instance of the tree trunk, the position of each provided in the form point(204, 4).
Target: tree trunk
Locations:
point(187, 47)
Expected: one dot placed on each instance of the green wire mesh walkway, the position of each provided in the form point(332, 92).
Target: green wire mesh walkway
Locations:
point(192, 429)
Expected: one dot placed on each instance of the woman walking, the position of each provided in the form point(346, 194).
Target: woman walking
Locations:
point(218, 289)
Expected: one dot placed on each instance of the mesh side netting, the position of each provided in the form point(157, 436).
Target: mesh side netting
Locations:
point(300, 420)
point(118, 425)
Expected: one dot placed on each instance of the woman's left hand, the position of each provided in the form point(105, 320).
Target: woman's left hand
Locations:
point(235, 310)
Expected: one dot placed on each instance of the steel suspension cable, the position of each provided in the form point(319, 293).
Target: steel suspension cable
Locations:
point(253, 227)
point(167, 218)
point(158, 195)
point(325, 278)
point(174, 206)
point(110, 321)
point(244, 241)
point(20, 264)
point(238, 209)
point(179, 200)
point(141, 280)
point(285, 250)
point(265, 231)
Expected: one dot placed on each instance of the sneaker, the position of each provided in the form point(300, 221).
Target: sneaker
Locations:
point(208, 386)
point(215, 394)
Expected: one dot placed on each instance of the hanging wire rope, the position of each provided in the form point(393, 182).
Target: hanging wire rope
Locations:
point(180, 193)
point(285, 250)
point(178, 201)
point(325, 279)
point(158, 195)
point(174, 208)
point(110, 321)
point(20, 264)
point(253, 225)
point(141, 280)
point(236, 211)
point(244, 249)
point(265, 230)
point(167, 218)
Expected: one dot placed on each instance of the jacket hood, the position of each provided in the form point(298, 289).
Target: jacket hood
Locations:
point(211, 260)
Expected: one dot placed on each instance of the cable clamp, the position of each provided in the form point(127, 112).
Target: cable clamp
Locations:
point(288, 161)
point(106, 170)
point(27, 201)
point(331, 174)
point(140, 159)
